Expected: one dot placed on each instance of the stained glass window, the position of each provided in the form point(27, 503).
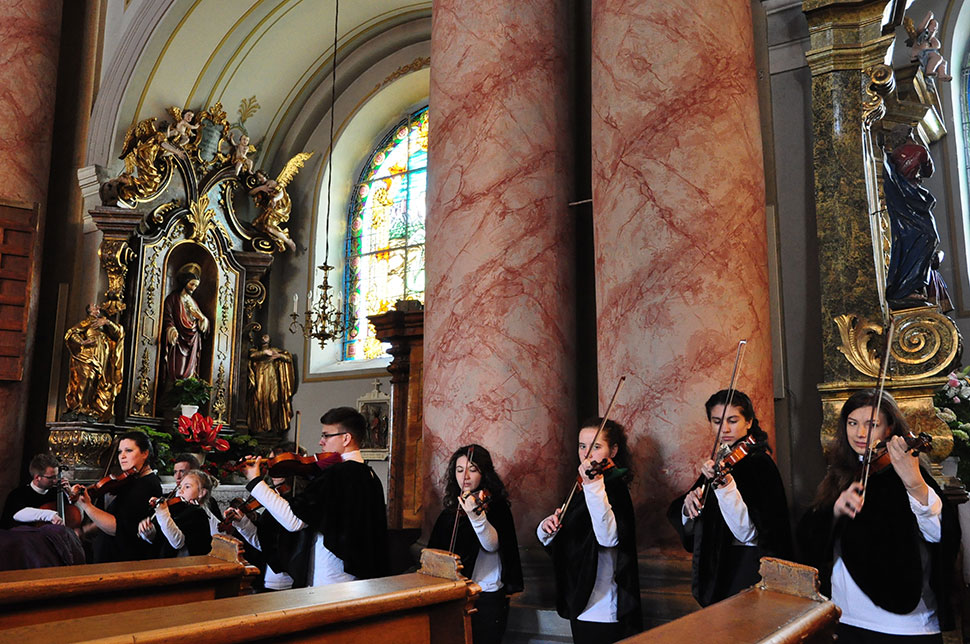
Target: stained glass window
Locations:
point(385, 234)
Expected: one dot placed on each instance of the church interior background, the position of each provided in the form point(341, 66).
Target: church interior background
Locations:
point(533, 198)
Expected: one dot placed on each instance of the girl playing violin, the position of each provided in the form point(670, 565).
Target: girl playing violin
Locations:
point(118, 521)
point(885, 552)
point(743, 517)
point(485, 538)
point(181, 519)
point(594, 545)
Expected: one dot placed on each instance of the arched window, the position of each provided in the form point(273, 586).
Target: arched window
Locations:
point(385, 233)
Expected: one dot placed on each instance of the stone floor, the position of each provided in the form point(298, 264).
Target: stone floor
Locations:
point(664, 591)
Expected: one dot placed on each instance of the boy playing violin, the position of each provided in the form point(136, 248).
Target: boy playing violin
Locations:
point(342, 507)
point(24, 503)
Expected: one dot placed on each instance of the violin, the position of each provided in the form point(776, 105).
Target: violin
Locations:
point(597, 468)
point(108, 485)
point(69, 513)
point(726, 463)
point(879, 458)
point(246, 507)
point(167, 501)
point(482, 499)
point(290, 464)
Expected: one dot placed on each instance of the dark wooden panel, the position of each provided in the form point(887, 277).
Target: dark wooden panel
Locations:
point(18, 235)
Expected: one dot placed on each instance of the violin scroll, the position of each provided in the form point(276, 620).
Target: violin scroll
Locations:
point(596, 468)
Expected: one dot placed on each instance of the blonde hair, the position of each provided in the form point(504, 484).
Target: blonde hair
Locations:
point(206, 482)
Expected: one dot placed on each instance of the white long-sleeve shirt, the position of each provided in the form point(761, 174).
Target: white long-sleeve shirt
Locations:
point(601, 606)
point(271, 579)
point(488, 564)
point(858, 610)
point(325, 567)
point(26, 515)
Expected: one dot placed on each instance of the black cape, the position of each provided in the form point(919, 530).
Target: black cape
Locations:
point(345, 503)
point(129, 507)
point(194, 524)
point(467, 545)
point(719, 568)
point(880, 547)
point(574, 555)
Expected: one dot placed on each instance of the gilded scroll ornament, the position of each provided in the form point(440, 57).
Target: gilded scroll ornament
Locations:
point(255, 296)
point(115, 255)
point(925, 343)
point(202, 218)
point(143, 396)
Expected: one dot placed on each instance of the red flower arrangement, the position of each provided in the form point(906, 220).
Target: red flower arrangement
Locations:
point(199, 429)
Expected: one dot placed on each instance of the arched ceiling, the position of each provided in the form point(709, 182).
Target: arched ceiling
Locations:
point(268, 53)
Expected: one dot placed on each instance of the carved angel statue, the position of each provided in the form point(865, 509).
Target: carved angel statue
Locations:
point(239, 154)
point(926, 46)
point(140, 150)
point(181, 131)
point(274, 202)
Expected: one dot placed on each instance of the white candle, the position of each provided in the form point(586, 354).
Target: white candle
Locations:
point(296, 302)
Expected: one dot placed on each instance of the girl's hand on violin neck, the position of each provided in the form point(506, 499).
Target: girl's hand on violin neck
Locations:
point(707, 469)
point(849, 503)
point(251, 469)
point(551, 525)
point(693, 502)
point(468, 502)
point(907, 467)
point(584, 467)
point(232, 513)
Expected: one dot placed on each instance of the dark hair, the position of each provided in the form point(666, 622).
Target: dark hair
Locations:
point(843, 460)
point(490, 478)
point(187, 458)
point(141, 440)
point(742, 402)
point(615, 434)
point(40, 463)
point(348, 418)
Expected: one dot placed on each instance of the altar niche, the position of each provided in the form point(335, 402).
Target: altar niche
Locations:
point(187, 316)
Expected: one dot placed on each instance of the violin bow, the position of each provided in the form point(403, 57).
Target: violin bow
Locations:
point(296, 435)
point(606, 416)
point(732, 387)
point(469, 455)
point(883, 372)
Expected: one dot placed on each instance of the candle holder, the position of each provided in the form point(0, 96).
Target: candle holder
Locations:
point(322, 320)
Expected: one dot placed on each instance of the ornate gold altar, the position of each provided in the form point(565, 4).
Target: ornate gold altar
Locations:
point(184, 260)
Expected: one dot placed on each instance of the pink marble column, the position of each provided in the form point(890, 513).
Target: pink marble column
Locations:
point(499, 331)
point(30, 33)
point(679, 199)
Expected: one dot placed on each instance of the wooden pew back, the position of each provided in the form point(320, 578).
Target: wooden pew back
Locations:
point(49, 594)
point(785, 607)
point(415, 608)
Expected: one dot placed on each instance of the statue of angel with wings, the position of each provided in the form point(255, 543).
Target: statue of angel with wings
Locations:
point(274, 203)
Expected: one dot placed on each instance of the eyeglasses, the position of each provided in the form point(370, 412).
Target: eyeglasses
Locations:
point(328, 436)
point(49, 478)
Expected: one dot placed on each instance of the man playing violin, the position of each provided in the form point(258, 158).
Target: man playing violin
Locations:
point(24, 503)
point(342, 508)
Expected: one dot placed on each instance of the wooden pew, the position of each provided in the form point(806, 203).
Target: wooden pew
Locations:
point(431, 606)
point(47, 594)
point(784, 607)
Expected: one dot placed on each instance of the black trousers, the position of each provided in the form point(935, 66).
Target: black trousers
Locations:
point(845, 634)
point(491, 617)
point(597, 632)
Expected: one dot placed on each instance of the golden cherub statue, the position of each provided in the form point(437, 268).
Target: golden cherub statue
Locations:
point(274, 202)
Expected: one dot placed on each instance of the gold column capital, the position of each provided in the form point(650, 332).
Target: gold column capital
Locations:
point(846, 34)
